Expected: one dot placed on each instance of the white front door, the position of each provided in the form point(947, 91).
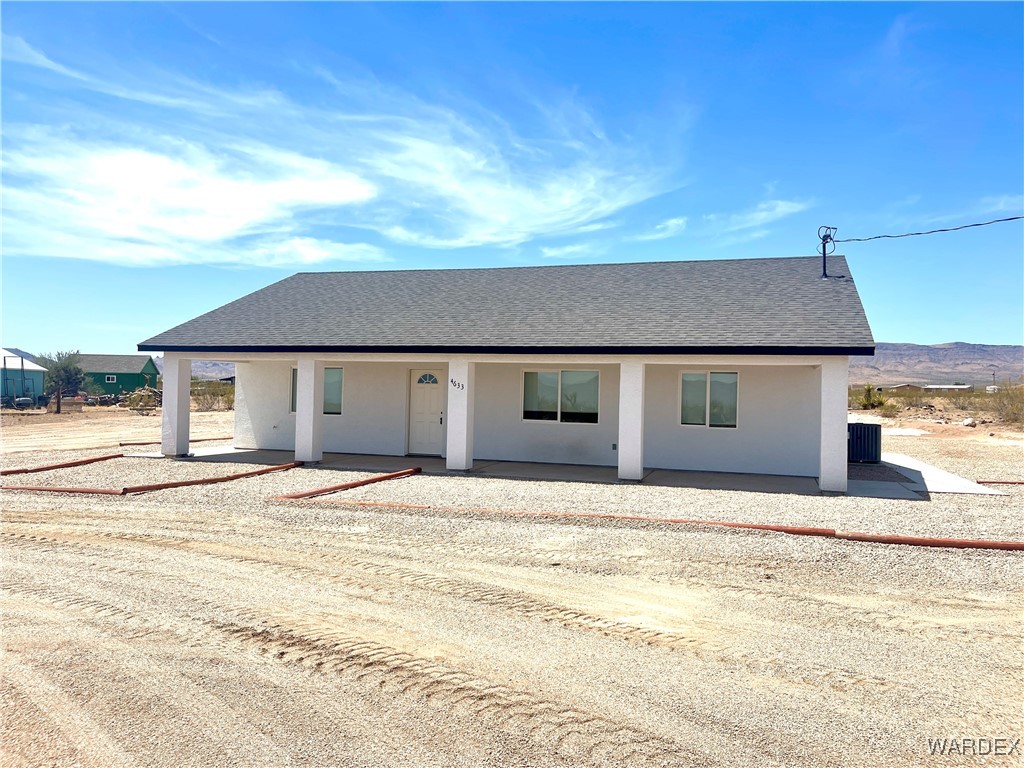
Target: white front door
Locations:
point(426, 417)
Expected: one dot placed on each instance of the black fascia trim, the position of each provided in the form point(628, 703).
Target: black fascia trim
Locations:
point(483, 350)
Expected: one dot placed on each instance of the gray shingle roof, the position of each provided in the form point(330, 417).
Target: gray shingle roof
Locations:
point(113, 363)
point(769, 305)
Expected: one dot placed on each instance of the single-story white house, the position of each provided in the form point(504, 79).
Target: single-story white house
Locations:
point(729, 366)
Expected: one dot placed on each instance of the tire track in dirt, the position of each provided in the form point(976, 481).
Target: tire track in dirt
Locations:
point(84, 734)
point(876, 617)
point(511, 600)
point(570, 733)
point(202, 710)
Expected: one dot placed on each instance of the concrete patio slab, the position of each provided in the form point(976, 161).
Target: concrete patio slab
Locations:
point(926, 478)
point(880, 489)
point(922, 478)
point(726, 481)
point(358, 462)
point(522, 470)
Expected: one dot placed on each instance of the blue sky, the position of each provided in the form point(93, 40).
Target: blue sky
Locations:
point(163, 159)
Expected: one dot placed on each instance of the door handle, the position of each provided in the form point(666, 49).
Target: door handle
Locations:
point(441, 420)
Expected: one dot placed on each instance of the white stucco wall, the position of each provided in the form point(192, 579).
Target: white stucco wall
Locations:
point(374, 417)
point(777, 429)
point(501, 433)
point(778, 415)
point(262, 399)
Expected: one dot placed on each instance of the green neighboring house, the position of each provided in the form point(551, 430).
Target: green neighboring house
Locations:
point(119, 373)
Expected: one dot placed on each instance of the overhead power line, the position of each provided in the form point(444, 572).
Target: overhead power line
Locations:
point(929, 232)
point(828, 238)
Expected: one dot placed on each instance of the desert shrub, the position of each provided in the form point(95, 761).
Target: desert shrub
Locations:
point(213, 396)
point(889, 408)
point(1008, 405)
point(909, 399)
point(964, 401)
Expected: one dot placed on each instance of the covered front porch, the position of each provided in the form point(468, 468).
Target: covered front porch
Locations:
point(474, 414)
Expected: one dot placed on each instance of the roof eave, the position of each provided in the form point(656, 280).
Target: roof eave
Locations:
point(519, 350)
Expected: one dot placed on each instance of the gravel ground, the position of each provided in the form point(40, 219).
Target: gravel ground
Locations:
point(210, 626)
point(951, 515)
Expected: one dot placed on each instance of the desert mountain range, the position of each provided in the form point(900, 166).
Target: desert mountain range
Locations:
point(939, 364)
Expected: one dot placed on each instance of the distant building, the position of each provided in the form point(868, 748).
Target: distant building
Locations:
point(21, 377)
point(905, 388)
point(114, 374)
point(992, 389)
point(948, 388)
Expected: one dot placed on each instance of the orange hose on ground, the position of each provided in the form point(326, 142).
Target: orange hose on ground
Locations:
point(793, 530)
point(999, 482)
point(210, 480)
point(918, 541)
point(346, 486)
point(62, 465)
point(104, 491)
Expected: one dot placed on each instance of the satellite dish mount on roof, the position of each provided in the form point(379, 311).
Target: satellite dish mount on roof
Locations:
point(828, 246)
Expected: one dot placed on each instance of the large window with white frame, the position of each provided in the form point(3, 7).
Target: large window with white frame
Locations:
point(709, 399)
point(570, 397)
point(333, 385)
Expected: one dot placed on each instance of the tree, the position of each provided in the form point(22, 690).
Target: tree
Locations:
point(63, 374)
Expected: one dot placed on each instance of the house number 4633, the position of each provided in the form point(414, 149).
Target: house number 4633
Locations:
point(457, 385)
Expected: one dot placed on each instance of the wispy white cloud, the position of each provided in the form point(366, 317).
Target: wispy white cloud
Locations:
point(179, 204)
point(16, 50)
point(663, 231)
point(597, 226)
point(191, 172)
point(566, 251)
point(990, 206)
point(758, 217)
point(1001, 204)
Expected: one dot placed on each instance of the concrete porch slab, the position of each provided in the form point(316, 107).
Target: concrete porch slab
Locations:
point(522, 470)
point(926, 478)
point(369, 463)
point(729, 481)
point(922, 478)
point(880, 489)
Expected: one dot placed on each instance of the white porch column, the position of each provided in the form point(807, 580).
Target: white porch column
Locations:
point(631, 421)
point(834, 385)
point(177, 394)
point(461, 391)
point(309, 406)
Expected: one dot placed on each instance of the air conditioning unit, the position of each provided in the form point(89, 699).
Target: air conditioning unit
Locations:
point(864, 443)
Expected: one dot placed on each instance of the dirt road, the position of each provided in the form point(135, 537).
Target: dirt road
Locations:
point(140, 633)
point(97, 427)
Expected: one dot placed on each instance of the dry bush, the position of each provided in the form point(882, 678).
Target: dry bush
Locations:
point(909, 399)
point(889, 408)
point(213, 396)
point(1008, 405)
point(966, 401)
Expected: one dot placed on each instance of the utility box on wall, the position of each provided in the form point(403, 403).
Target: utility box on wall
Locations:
point(864, 443)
